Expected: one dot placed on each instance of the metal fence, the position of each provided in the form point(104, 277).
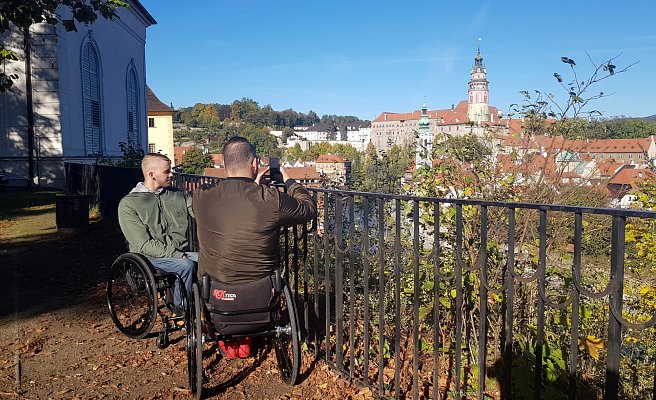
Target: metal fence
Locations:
point(443, 298)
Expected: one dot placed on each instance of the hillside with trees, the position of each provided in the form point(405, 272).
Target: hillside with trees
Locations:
point(214, 124)
point(249, 111)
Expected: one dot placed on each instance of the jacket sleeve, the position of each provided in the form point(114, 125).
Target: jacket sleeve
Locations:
point(297, 206)
point(136, 233)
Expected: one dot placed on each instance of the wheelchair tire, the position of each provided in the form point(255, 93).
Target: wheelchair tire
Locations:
point(195, 345)
point(132, 295)
point(288, 346)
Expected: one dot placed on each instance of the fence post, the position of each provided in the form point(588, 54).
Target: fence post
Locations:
point(615, 301)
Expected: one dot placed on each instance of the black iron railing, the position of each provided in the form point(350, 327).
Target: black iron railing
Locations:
point(443, 298)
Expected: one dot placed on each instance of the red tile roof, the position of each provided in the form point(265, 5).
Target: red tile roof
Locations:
point(457, 115)
point(178, 153)
point(303, 173)
point(619, 145)
point(215, 172)
point(154, 106)
point(217, 159)
point(331, 158)
point(630, 176)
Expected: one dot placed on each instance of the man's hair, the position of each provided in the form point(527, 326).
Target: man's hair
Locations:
point(238, 154)
point(152, 157)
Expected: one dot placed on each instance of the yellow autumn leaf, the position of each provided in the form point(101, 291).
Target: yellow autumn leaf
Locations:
point(592, 345)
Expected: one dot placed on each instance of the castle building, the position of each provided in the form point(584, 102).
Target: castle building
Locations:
point(473, 115)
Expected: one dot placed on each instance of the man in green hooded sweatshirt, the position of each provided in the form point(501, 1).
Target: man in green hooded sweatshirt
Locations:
point(154, 221)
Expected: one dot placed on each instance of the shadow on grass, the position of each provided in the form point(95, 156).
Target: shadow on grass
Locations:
point(43, 273)
point(18, 202)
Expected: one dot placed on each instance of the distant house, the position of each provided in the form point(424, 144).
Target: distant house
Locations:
point(334, 167)
point(179, 152)
point(88, 91)
point(217, 159)
point(625, 182)
point(160, 125)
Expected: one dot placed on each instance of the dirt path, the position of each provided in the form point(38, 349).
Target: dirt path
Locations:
point(53, 319)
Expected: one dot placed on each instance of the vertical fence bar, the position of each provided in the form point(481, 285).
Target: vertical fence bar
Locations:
point(574, 331)
point(541, 283)
point(306, 286)
point(381, 295)
point(339, 283)
point(365, 284)
point(615, 301)
point(315, 273)
point(351, 267)
point(458, 278)
point(326, 274)
point(397, 303)
point(436, 300)
point(415, 301)
point(510, 300)
point(295, 259)
point(653, 391)
point(482, 332)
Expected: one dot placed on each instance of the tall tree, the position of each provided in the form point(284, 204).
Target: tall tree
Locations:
point(195, 161)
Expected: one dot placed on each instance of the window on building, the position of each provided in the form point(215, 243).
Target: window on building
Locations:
point(151, 148)
point(134, 134)
point(151, 122)
point(91, 99)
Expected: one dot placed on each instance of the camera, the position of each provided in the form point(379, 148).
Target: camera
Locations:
point(274, 170)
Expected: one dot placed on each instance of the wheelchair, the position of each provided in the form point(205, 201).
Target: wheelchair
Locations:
point(137, 293)
point(217, 305)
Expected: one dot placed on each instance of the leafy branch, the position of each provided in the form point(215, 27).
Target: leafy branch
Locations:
point(22, 14)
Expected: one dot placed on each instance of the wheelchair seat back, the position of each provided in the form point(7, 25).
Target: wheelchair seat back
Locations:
point(240, 308)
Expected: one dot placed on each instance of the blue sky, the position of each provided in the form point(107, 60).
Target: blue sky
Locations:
point(365, 57)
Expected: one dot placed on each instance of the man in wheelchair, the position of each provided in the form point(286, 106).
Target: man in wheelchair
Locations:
point(154, 220)
point(238, 226)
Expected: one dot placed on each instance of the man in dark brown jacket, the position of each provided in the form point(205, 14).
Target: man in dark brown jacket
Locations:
point(239, 219)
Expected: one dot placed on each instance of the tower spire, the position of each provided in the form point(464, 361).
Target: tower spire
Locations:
point(477, 105)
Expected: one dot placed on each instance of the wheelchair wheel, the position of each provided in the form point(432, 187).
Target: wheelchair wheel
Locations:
point(132, 295)
point(195, 345)
point(287, 343)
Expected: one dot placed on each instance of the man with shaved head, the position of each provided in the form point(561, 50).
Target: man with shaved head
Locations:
point(153, 218)
point(239, 219)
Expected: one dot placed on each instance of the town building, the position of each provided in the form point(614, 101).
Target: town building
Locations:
point(88, 94)
point(336, 168)
point(355, 135)
point(160, 126)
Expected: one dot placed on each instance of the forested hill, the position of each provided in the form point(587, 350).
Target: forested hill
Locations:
point(249, 111)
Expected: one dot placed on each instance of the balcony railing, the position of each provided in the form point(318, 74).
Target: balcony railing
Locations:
point(444, 298)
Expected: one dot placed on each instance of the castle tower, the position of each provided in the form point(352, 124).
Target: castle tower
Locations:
point(478, 109)
point(424, 140)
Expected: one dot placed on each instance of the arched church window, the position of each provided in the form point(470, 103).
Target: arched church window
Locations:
point(91, 99)
point(134, 127)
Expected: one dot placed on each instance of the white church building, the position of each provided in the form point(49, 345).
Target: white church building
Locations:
point(88, 94)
